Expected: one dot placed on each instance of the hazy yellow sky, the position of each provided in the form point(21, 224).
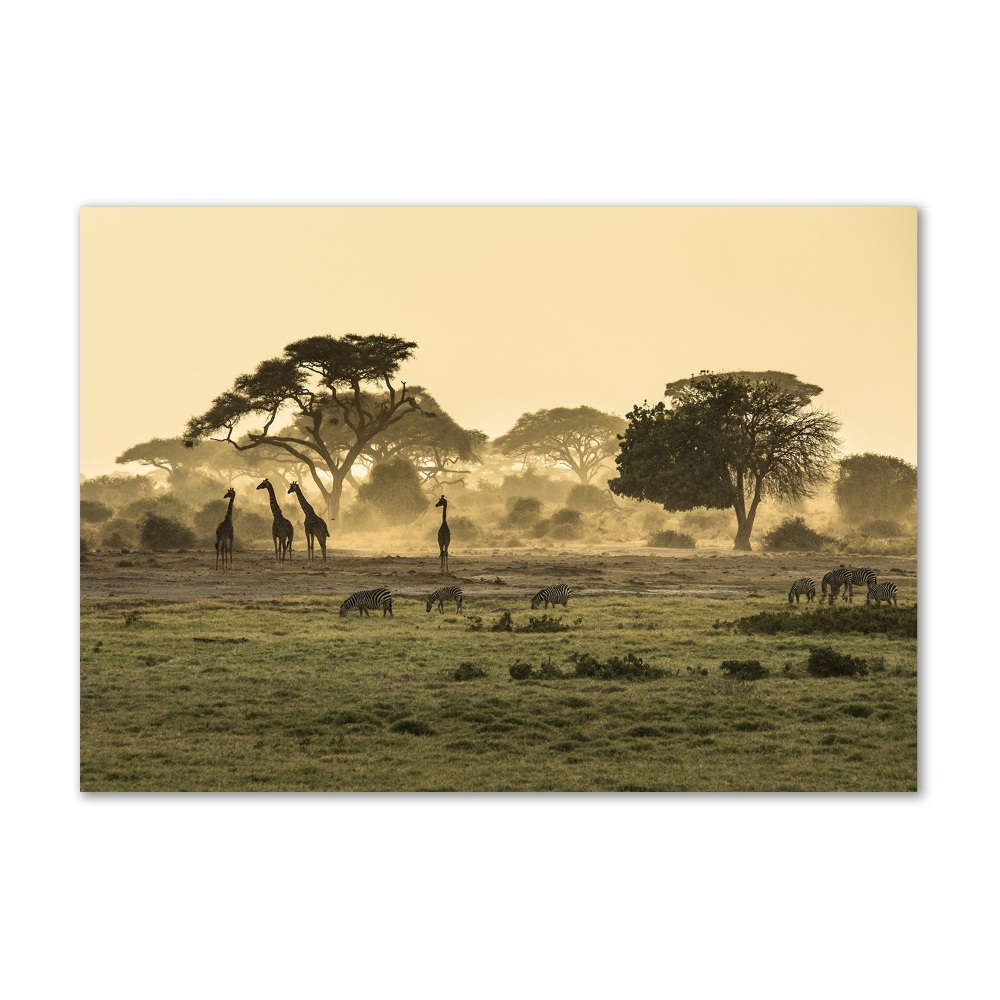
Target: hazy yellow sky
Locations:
point(513, 309)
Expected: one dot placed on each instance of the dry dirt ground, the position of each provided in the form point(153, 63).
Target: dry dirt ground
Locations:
point(632, 569)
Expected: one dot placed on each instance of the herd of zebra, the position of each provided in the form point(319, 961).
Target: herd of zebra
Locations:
point(380, 599)
point(848, 579)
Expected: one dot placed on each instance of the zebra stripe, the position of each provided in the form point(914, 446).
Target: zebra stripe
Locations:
point(559, 594)
point(800, 587)
point(443, 594)
point(368, 600)
point(866, 578)
point(836, 579)
point(882, 592)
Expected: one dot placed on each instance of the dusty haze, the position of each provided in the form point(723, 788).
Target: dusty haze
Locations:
point(513, 309)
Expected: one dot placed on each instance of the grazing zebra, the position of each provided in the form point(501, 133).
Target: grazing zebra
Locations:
point(882, 592)
point(559, 594)
point(443, 594)
point(803, 586)
point(836, 579)
point(368, 600)
point(863, 577)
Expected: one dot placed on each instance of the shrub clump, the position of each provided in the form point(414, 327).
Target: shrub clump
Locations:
point(882, 529)
point(867, 620)
point(94, 512)
point(794, 534)
point(629, 666)
point(544, 624)
point(523, 512)
point(505, 623)
point(671, 539)
point(156, 532)
point(468, 672)
point(744, 670)
point(416, 727)
point(826, 662)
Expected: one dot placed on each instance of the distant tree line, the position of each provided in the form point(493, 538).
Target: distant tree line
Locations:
point(331, 412)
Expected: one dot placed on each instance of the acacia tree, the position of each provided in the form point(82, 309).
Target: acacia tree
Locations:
point(317, 381)
point(169, 454)
point(435, 448)
point(872, 486)
point(726, 441)
point(580, 438)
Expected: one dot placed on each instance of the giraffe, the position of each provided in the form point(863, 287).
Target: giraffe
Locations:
point(224, 533)
point(444, 534)
point(281, 529)
point(315, 525)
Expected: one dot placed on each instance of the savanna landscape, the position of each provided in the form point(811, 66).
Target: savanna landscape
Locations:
point(248, 680)
point(738, 595)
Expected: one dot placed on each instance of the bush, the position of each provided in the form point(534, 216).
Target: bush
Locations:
point(157, 532)
point(94, 512)
point(744, 670)
point(520, 671)
point(589, 499)
point(544, 624)
point(523, 512)
point(119, 533)
point(867, 620)
point(468, 672)
point(393, 490)
point(416, 727)
point(794, 534)
point(628, 667)
point(882, 529)
point(503, 624)
point(826, 662)
point(671, 539)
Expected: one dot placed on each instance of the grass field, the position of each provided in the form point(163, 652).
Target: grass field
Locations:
point(278, 693)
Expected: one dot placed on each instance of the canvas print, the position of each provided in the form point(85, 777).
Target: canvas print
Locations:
point(498, 499)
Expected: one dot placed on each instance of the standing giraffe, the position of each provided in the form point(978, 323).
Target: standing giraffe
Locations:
point(224, 533)
point(281, 528)
point(315, 525)
point(444, 533)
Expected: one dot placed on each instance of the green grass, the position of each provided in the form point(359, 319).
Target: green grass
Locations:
point(283, 695)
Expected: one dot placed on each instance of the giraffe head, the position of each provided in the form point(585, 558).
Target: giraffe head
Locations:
point(293, 488)
point(442, 502)
point(229, 494)
point(264, 485)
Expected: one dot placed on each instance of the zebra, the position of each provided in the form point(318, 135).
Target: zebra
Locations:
point(559, 594)
point(882, 592)
point(443, 594)
point(368, 600)
point(803, 586)
point(836, 579)
point(865, 577)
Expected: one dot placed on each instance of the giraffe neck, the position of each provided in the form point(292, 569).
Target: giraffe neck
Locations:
point(444, 515)
point(275, 509)
point(229, 513)
point(304, 503)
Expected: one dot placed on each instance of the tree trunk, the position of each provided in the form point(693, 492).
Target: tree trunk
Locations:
point(742, 542)
point(333, 500)
point(744, 525)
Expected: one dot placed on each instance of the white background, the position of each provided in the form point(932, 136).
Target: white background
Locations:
point(496, 896)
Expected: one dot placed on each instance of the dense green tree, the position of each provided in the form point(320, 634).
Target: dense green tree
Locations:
point(872, 487)
point(318, 383)
point(726, 441)
point(580, 438)
point(392, 490)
